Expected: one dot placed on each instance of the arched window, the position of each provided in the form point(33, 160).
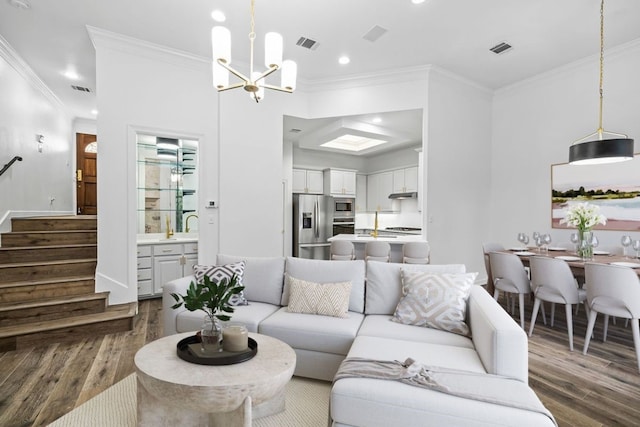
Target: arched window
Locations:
point(92, 147)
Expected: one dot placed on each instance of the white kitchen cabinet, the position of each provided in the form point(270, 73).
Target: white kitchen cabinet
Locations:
point(340, 182)
point(307, 181)
point(405, 180)
point(379, 186)
point(361, 193)
point(162, 262)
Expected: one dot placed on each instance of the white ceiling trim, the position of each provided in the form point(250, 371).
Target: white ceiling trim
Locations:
point(12, 57)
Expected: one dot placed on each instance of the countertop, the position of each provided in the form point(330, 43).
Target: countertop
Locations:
point(160, 238)
point(399, 240)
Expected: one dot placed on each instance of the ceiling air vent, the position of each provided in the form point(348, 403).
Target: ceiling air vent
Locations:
point(80, 88)
point(375, 33)
point(500, 48)
point(295, 130)
point(307, 43)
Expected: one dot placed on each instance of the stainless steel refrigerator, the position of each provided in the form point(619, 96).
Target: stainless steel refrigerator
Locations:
point(312, 225)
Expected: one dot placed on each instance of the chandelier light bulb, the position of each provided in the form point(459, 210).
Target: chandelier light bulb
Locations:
point(221, 44)
point(289, 72)
point(273, 50)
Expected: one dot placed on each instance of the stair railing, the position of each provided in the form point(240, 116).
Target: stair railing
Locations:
point(8, 165)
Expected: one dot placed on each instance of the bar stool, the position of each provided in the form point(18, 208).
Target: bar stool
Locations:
point(377, 251)
point(342, 250)
point(415, 253)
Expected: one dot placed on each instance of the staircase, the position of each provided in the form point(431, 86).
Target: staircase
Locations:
point(47, 285)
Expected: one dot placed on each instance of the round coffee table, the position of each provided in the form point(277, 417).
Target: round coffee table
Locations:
point(172, 391)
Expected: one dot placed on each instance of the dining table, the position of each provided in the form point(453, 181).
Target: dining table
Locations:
point(575, 262)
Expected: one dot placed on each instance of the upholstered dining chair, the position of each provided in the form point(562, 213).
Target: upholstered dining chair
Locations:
point(486, 249)
point(509, 276)
point(553, 281)
point(613, 291)
point(415, 253)
point(342, 250)
point(377, 251)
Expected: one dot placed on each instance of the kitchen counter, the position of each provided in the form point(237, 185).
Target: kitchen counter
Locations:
point(156, 238)
point(396, 243)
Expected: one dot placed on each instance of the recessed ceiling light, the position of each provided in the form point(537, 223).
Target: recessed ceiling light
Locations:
point(376, 120)
point(94, 112)
point(71, 75)
point(344, 60)
point(417, 1)
point(218, 16)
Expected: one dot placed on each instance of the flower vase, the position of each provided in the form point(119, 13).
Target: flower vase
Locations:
point(585, 248)
point(211, 335)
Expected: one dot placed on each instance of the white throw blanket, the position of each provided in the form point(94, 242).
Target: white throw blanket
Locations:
point(483, 387)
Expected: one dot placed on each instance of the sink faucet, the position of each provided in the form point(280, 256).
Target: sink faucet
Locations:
point(187, 222)
point(169, 232)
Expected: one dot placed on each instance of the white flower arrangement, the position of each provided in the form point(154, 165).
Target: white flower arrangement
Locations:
point(583, 216)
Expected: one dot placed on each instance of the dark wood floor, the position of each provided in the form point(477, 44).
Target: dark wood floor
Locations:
point(600, 389)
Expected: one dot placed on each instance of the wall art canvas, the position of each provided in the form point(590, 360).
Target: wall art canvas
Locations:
point(614, 187)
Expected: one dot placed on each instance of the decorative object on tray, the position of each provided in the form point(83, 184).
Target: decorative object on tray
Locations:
point(189, 349)
point(213, 298)
point(235, 337)
point(584, 217)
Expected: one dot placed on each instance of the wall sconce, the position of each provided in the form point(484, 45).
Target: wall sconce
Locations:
point(40, 139)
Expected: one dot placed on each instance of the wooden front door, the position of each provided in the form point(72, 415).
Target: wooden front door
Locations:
point(86, 174)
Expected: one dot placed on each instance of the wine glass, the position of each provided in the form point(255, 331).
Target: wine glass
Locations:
point(575, 240)
point(594, 241)
point(626, 242)
point(523, 238)
point(636, 247)
point(538, 241)
point(535, 235)
point(546, 239)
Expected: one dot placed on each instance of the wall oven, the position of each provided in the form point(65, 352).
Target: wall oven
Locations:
point(344, 226)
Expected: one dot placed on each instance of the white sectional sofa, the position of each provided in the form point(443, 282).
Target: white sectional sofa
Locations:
point(497, 344)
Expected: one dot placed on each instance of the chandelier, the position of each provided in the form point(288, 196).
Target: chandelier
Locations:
point(254, 83)
point(617, 149)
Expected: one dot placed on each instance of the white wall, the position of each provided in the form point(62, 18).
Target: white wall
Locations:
point(27, 109)
point(535, 122)
point(148, 89)
point(457, 172)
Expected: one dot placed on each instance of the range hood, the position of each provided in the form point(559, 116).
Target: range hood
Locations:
point(400, 196)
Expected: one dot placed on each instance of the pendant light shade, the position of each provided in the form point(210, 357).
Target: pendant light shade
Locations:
point(272, 50)
point(221, 44)
point(601, 151)
point(596, 151)
point(289, 71)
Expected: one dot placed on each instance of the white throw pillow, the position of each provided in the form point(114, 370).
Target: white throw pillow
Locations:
point(327, 299)
point(436, 301)
point(218, 272)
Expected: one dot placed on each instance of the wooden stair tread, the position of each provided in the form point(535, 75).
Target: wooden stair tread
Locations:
point(54, 262)
point(53, 301)
point(15, 233)
point(76, 245)
point(46, 281)
point(121, 311)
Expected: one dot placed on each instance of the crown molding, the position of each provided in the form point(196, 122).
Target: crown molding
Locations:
point(610, 54)
point(411, 74)
point(8, 53)
point(137, 47)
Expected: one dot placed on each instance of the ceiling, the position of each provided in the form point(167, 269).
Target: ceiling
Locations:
point(456, 35)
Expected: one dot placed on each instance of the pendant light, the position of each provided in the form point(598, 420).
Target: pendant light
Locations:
point(587, 151)
point(253, 82)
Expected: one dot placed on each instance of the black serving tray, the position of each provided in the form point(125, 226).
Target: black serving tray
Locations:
point(185, 352)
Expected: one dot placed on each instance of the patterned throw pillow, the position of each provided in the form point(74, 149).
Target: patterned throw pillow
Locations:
point(436, 301)
point(218, 272)
point(327, 299)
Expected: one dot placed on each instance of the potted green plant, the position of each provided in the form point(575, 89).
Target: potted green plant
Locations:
point(213, 298)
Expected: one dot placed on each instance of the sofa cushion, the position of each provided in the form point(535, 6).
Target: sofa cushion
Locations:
point(380, 325)
point(263, 277)
point(384, 285)
point(311, 331)
point(327, 299)
point(220, 272)
point(250, 315)
point(314, 270)
point(435, 300)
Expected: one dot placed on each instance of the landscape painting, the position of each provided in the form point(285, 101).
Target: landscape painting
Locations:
point(614, 187)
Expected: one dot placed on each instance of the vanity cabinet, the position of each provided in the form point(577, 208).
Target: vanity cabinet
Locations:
point(340, 182)
point(307, 181)
point(160, 263)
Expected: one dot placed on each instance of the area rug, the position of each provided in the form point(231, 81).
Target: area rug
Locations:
point(307, 406)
